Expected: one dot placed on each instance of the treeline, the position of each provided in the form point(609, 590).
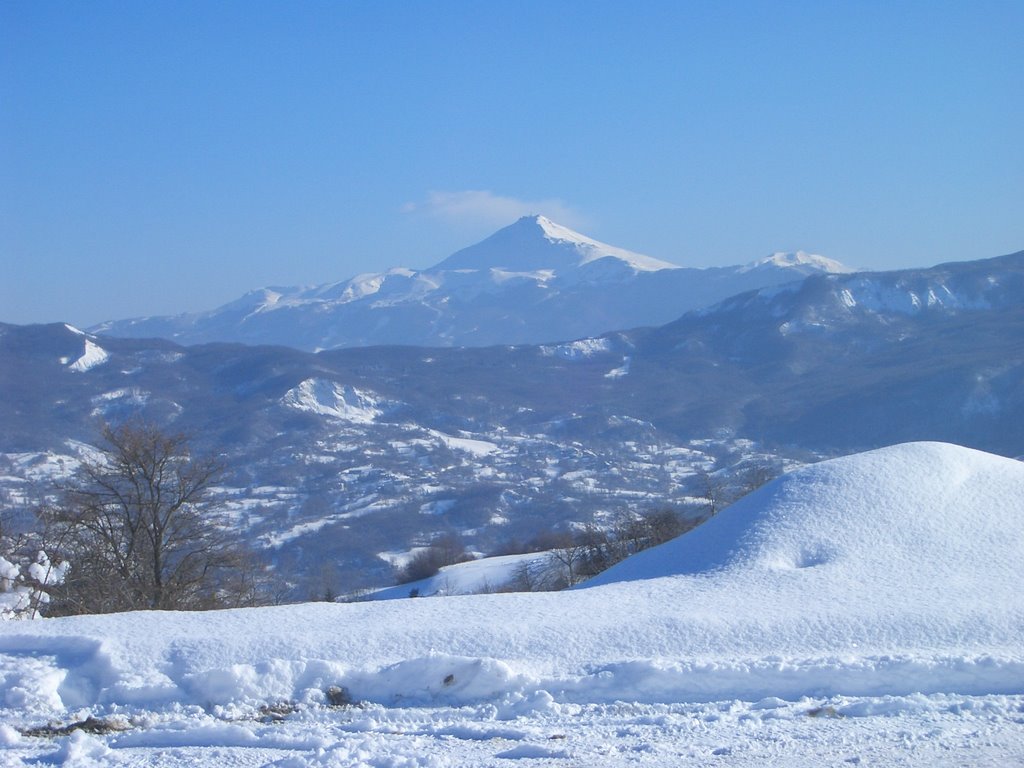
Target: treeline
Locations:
point(568, 557)
point(134, 528)
point(137, 527)
point(573, 557)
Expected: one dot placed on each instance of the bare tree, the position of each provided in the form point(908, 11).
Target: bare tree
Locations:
point(757, 475)
point(637, 532)
point(139, 527)
point(715, 491)
point(543, 574)
point(572, 562)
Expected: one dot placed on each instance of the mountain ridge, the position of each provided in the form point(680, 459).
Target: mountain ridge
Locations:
point(531, 282)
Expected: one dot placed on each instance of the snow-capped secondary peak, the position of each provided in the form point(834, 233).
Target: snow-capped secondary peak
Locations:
point(802, 262)
point(536, 242)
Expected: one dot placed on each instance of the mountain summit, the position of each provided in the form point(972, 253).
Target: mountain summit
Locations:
point(533, 281)
point(536, 243)
point(809, 262)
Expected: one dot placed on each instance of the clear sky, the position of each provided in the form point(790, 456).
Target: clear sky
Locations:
point(159, 157)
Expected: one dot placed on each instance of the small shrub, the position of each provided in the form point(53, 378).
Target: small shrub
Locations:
point(445, 550)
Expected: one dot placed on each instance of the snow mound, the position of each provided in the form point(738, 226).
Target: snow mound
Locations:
point(933, 509)
point(337, 401)
point(911, 514)
point(890, 573)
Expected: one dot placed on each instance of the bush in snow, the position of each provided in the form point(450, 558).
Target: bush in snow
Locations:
point(24, 586)
point(594, 549)
point(447, 549)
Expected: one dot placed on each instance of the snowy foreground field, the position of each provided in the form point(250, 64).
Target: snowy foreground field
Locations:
point(866, 610)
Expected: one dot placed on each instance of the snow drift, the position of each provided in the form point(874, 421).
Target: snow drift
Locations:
point(885, 573)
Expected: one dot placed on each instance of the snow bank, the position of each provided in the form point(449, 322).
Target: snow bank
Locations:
point(887, 573)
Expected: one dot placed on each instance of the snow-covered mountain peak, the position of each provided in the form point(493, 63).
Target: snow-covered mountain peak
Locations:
point(594, 249)
point(536, 242)
point(534, 281)
point(802, 262)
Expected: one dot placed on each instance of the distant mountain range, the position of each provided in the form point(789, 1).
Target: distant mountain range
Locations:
point(531, 282)
point(348, 456)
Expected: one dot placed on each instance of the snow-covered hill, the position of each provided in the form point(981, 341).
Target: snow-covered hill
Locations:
point(862, 610)
point(534, 281)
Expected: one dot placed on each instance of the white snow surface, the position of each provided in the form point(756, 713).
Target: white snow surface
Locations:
point(904, 299)
point(578, 350)
point(863, 610)
point(592, 250)
point(525, 246)
point(802, 262)
point(92, 356)
point(465, 444)
point(338, 401)
point(622, 370)
point(488, 574)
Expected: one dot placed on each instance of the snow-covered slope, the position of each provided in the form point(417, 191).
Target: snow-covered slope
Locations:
point(919, 529)
point(906, 518)
point(880, 574)
point(537, 243)
point(836, 299)
point(877, 593)
point(531, 282)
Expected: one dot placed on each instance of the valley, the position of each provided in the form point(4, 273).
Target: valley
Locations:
point(341, 463)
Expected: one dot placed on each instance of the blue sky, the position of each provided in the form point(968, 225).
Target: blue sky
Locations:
point(158, 157)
